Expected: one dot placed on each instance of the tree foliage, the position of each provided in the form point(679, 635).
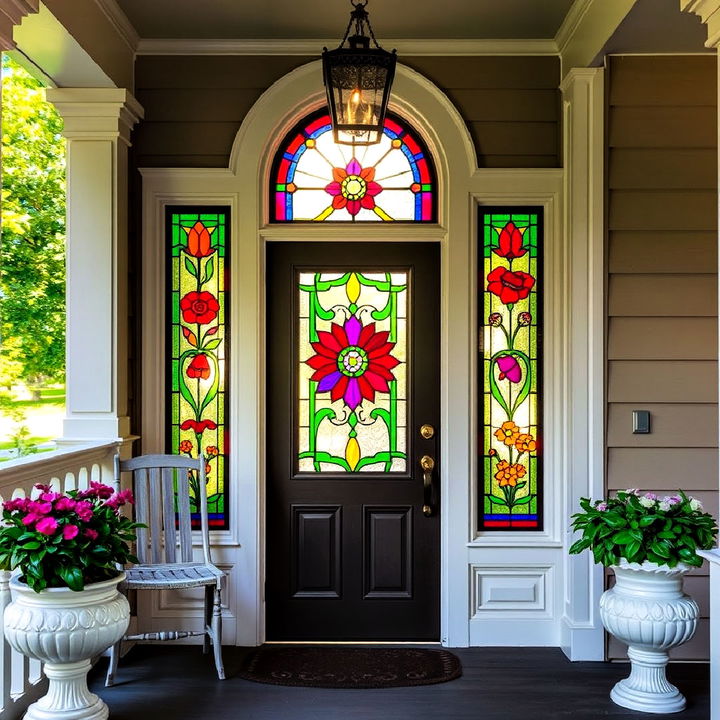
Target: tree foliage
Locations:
point(32, 249)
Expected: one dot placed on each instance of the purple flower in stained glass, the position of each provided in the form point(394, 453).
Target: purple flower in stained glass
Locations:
point(352, 362)
point(509, 368)
point(353, 188)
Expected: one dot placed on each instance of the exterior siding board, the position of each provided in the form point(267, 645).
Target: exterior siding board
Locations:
point(662, 287)
point(195, 105)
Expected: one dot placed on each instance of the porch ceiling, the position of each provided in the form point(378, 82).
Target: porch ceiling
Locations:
point(283, 19)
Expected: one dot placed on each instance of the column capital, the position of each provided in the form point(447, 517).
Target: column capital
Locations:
point(11, 14)
point(709, 12)
point(579, 74)
point(96, 113)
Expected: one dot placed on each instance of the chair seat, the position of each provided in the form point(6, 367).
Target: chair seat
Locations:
point(172, 575)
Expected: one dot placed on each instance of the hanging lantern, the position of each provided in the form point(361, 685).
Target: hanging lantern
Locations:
point(358, 80)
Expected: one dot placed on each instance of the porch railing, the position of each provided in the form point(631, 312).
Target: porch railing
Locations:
point(66, 469)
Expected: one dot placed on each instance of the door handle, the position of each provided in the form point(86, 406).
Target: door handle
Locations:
point(427, 464)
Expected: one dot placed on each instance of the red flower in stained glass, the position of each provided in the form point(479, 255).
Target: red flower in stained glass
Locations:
point(510, 242)
point(352, 362)
point(353, 188)
point(199, 307)
point(198, 427)
point(510, 286)
point(199, 367)
point(198, 240)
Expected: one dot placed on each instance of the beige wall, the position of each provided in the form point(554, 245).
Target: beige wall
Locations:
point(662, 285)
point(194, 105)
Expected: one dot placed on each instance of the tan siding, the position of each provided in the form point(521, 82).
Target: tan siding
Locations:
point(666, 338)
point(662, 468)
point(673, 425)
point(662, 381)
point(662, 81)
point(663, 295)
point(662, 169)
point(662, 286)
point(657, 252)
point(662, 126)
point(194, 105)
point(663, 210)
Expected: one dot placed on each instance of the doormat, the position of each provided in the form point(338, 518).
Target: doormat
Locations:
point(349, 667)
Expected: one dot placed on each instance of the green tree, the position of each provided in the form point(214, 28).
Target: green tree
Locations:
point(32, 247)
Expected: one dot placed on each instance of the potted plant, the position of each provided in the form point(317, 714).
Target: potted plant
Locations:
point(649, 543)
point(66, 549)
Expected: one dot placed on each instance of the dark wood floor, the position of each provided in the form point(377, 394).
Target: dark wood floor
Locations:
point(179, 683)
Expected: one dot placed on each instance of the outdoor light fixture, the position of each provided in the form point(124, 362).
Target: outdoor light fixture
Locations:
point(358, 80)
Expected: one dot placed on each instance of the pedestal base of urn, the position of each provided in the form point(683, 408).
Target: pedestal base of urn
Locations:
point(647, 689)
point(68, 697)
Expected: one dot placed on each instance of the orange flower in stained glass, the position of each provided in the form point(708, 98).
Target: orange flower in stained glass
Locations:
point(198, 240)
point(508, 433)
point(508, 474)
point(525, 443)
point(353, 187)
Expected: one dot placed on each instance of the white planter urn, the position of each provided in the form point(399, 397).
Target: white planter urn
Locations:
point(65, 629)
point(647, 610)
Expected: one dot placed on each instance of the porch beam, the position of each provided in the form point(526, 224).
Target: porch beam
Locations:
point(98, 123)
point(583, 120)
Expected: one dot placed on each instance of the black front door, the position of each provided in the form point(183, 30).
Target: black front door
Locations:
point(353, 377)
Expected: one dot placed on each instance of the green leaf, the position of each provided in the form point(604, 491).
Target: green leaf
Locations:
point(212, 344)
point(190, 266)
point(208, 270)
point(497, 500)
point(523, 500)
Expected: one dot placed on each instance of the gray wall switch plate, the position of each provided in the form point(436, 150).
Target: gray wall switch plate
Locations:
point(641, 422)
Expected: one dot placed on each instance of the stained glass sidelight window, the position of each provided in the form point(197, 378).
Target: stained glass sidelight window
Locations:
point(510, 308)
point(352, 374)
point(197, 247)
point(316, 179)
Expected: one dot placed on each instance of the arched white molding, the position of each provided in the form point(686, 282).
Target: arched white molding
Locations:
point(301, 91)
point(470, 564)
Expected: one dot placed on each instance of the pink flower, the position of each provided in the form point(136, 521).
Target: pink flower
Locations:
point(97, 489)
point(30, 518)
point(44, 488)
point(90, 533)
point(509, 368)
point(47, 525)
point(70, 532)
point(50, 496)
point(17, 504)
point(601, 506)
point(121, 498)
point(651, 496)
point(65, 503)
point(353, 188)
point(672, 500)
point(41, 508)
point(84, 510)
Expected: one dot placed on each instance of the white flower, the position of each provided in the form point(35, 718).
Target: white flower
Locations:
point(665, 506)
point(633, 491)
point(695, 504)
point(647, 502)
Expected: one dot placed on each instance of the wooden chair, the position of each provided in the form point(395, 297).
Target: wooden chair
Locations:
point(162, 502)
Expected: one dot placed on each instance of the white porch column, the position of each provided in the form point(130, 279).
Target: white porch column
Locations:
point(583, 116)
point(98, 122)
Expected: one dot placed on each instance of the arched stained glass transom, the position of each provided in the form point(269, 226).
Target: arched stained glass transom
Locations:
point(315, 179)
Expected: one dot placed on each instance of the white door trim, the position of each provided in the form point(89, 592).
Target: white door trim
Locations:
point(462, 186)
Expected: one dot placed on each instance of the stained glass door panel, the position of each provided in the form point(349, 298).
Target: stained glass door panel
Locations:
point(353, 372)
